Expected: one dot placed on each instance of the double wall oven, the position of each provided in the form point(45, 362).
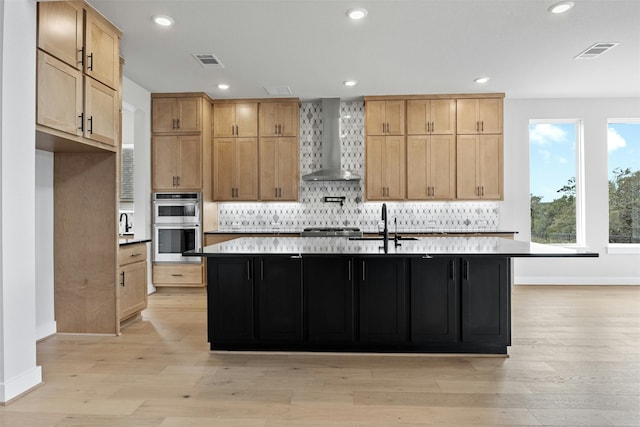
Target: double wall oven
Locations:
point(176, 226)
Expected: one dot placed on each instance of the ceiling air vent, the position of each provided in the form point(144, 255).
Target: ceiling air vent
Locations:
point(208, 60)
point(278, 90)
point(596, 50)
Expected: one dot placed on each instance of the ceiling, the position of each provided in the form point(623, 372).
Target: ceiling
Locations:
point(401, 47)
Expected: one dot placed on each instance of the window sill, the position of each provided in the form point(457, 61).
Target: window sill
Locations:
point(623, 248)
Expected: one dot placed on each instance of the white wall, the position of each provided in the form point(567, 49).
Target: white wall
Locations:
point(514, 212)
point(18, 370)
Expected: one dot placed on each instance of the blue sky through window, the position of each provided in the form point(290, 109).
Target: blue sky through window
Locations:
point(623, 146)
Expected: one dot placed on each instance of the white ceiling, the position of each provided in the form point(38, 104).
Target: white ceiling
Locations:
point(401, 47)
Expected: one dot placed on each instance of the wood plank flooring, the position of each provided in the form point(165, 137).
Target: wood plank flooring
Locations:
point(575, 360)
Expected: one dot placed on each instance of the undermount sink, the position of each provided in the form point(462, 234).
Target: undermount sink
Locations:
point(380, 238)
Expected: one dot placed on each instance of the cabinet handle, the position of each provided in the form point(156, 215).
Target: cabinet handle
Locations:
point(465, 271)
point(177, 123)
point(299, 256)
point(135, 255)
point(276, 129)
point(364, 277)
point(173, 123)
point(452, 270)
point(261, 269)
point(81, 52)
point(477, 126)
point(482, 192)
point(233, 130)
point(90, 120)
point(432, 127)
point(122, 280)
point(482, 127)
point(248, 270)
point(383, 128)
point(349, 269)
point(81, 117)
point(177, 275)
point(90, 57)
point(178, 180)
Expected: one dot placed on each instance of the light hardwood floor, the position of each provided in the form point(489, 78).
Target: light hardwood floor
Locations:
point(575, 360)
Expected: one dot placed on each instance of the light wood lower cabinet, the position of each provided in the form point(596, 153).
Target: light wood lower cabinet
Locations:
point(132, 261)
point(177, 275)
point(431, 167)
point(479, 164)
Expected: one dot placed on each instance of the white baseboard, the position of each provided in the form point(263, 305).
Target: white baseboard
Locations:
point(575, 280)
point(46, 330)
point(20, 384)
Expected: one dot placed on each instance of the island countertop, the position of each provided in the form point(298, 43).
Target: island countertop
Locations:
point(420, 247)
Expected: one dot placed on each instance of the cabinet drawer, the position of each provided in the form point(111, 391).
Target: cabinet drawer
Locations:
point(132, 253)
point(177, 274)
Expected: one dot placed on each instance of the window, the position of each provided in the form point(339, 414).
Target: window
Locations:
point(555, 149)
point(623, 146)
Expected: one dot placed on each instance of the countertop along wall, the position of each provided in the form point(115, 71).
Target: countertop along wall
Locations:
point(312, 211)
point(515, 215)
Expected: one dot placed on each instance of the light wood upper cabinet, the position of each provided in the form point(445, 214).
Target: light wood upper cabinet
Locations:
point(475, 116)
point(235, 169)
point(60, 31)
point(176, 114)
point(431, 167)
point(385, 117)
point(279, 168)
point(177, 162)
point(102, 50)
point(235, 120)
point(59, 95)
point(279, 118)
point(480, 167)
point(385, 167)
point(101, 112)
point(437, 116)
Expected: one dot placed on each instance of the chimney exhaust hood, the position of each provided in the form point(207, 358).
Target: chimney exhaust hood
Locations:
point(332, 170)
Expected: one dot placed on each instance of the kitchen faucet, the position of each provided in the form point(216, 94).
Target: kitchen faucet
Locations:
point(127, 227)
point(386, 229)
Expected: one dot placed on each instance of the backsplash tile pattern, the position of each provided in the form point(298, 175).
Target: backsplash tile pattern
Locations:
point(312, 211)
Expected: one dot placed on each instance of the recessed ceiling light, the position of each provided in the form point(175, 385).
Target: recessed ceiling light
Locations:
point(481, 80)
point(163, 20)
point(357, 14)
point(350, 83)
point(560, 7)
point(223, 86)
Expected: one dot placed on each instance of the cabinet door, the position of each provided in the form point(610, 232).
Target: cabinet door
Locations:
point(246, 169)
point(328, 294)
point(268, 119)
point(375, 168)
point(490, 115)
point(394, 167)
point(374, 118)
point(434, 297)
point(246, 119)
point(60, 31)
point(164, 162)
point(490, 159)
point(442, 167)
point(100, 112)
point(418, 164)
point(443, 116)
point(279, 284)
point(382, 289)
point(418, 116)
point(230, 299)
point(467, 167)
point(267, 153)
point(189, 115)
point(224, 168)
point(189, 168)
point(224, 120)
point(102, 51)
point(485, 300)
point(59, 103)
point(133, 289)
point(288, 119)
point(394, 117)
point(468, 116)
point(288, 169)
point(163, 114)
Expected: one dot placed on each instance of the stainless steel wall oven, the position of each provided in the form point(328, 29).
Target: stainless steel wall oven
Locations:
point(176, 226)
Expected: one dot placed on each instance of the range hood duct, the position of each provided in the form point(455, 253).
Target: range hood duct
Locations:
point(332, 170)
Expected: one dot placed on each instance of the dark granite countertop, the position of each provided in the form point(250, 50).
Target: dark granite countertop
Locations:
point(124, 241)
point(432, 246)
point(422, 231)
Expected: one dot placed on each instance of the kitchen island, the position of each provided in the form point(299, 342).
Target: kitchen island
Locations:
point(439, 294)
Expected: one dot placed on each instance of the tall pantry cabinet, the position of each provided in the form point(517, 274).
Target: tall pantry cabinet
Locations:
point(181, 149)
point(78, 115)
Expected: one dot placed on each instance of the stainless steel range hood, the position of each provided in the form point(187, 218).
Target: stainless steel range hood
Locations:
point(331, 170)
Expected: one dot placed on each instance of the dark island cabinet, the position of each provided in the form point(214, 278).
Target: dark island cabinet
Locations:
point(328, 298)
point(485, 289)
point(279, 284)
point(434, 300)
point(382, 287)
point(230, 299)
